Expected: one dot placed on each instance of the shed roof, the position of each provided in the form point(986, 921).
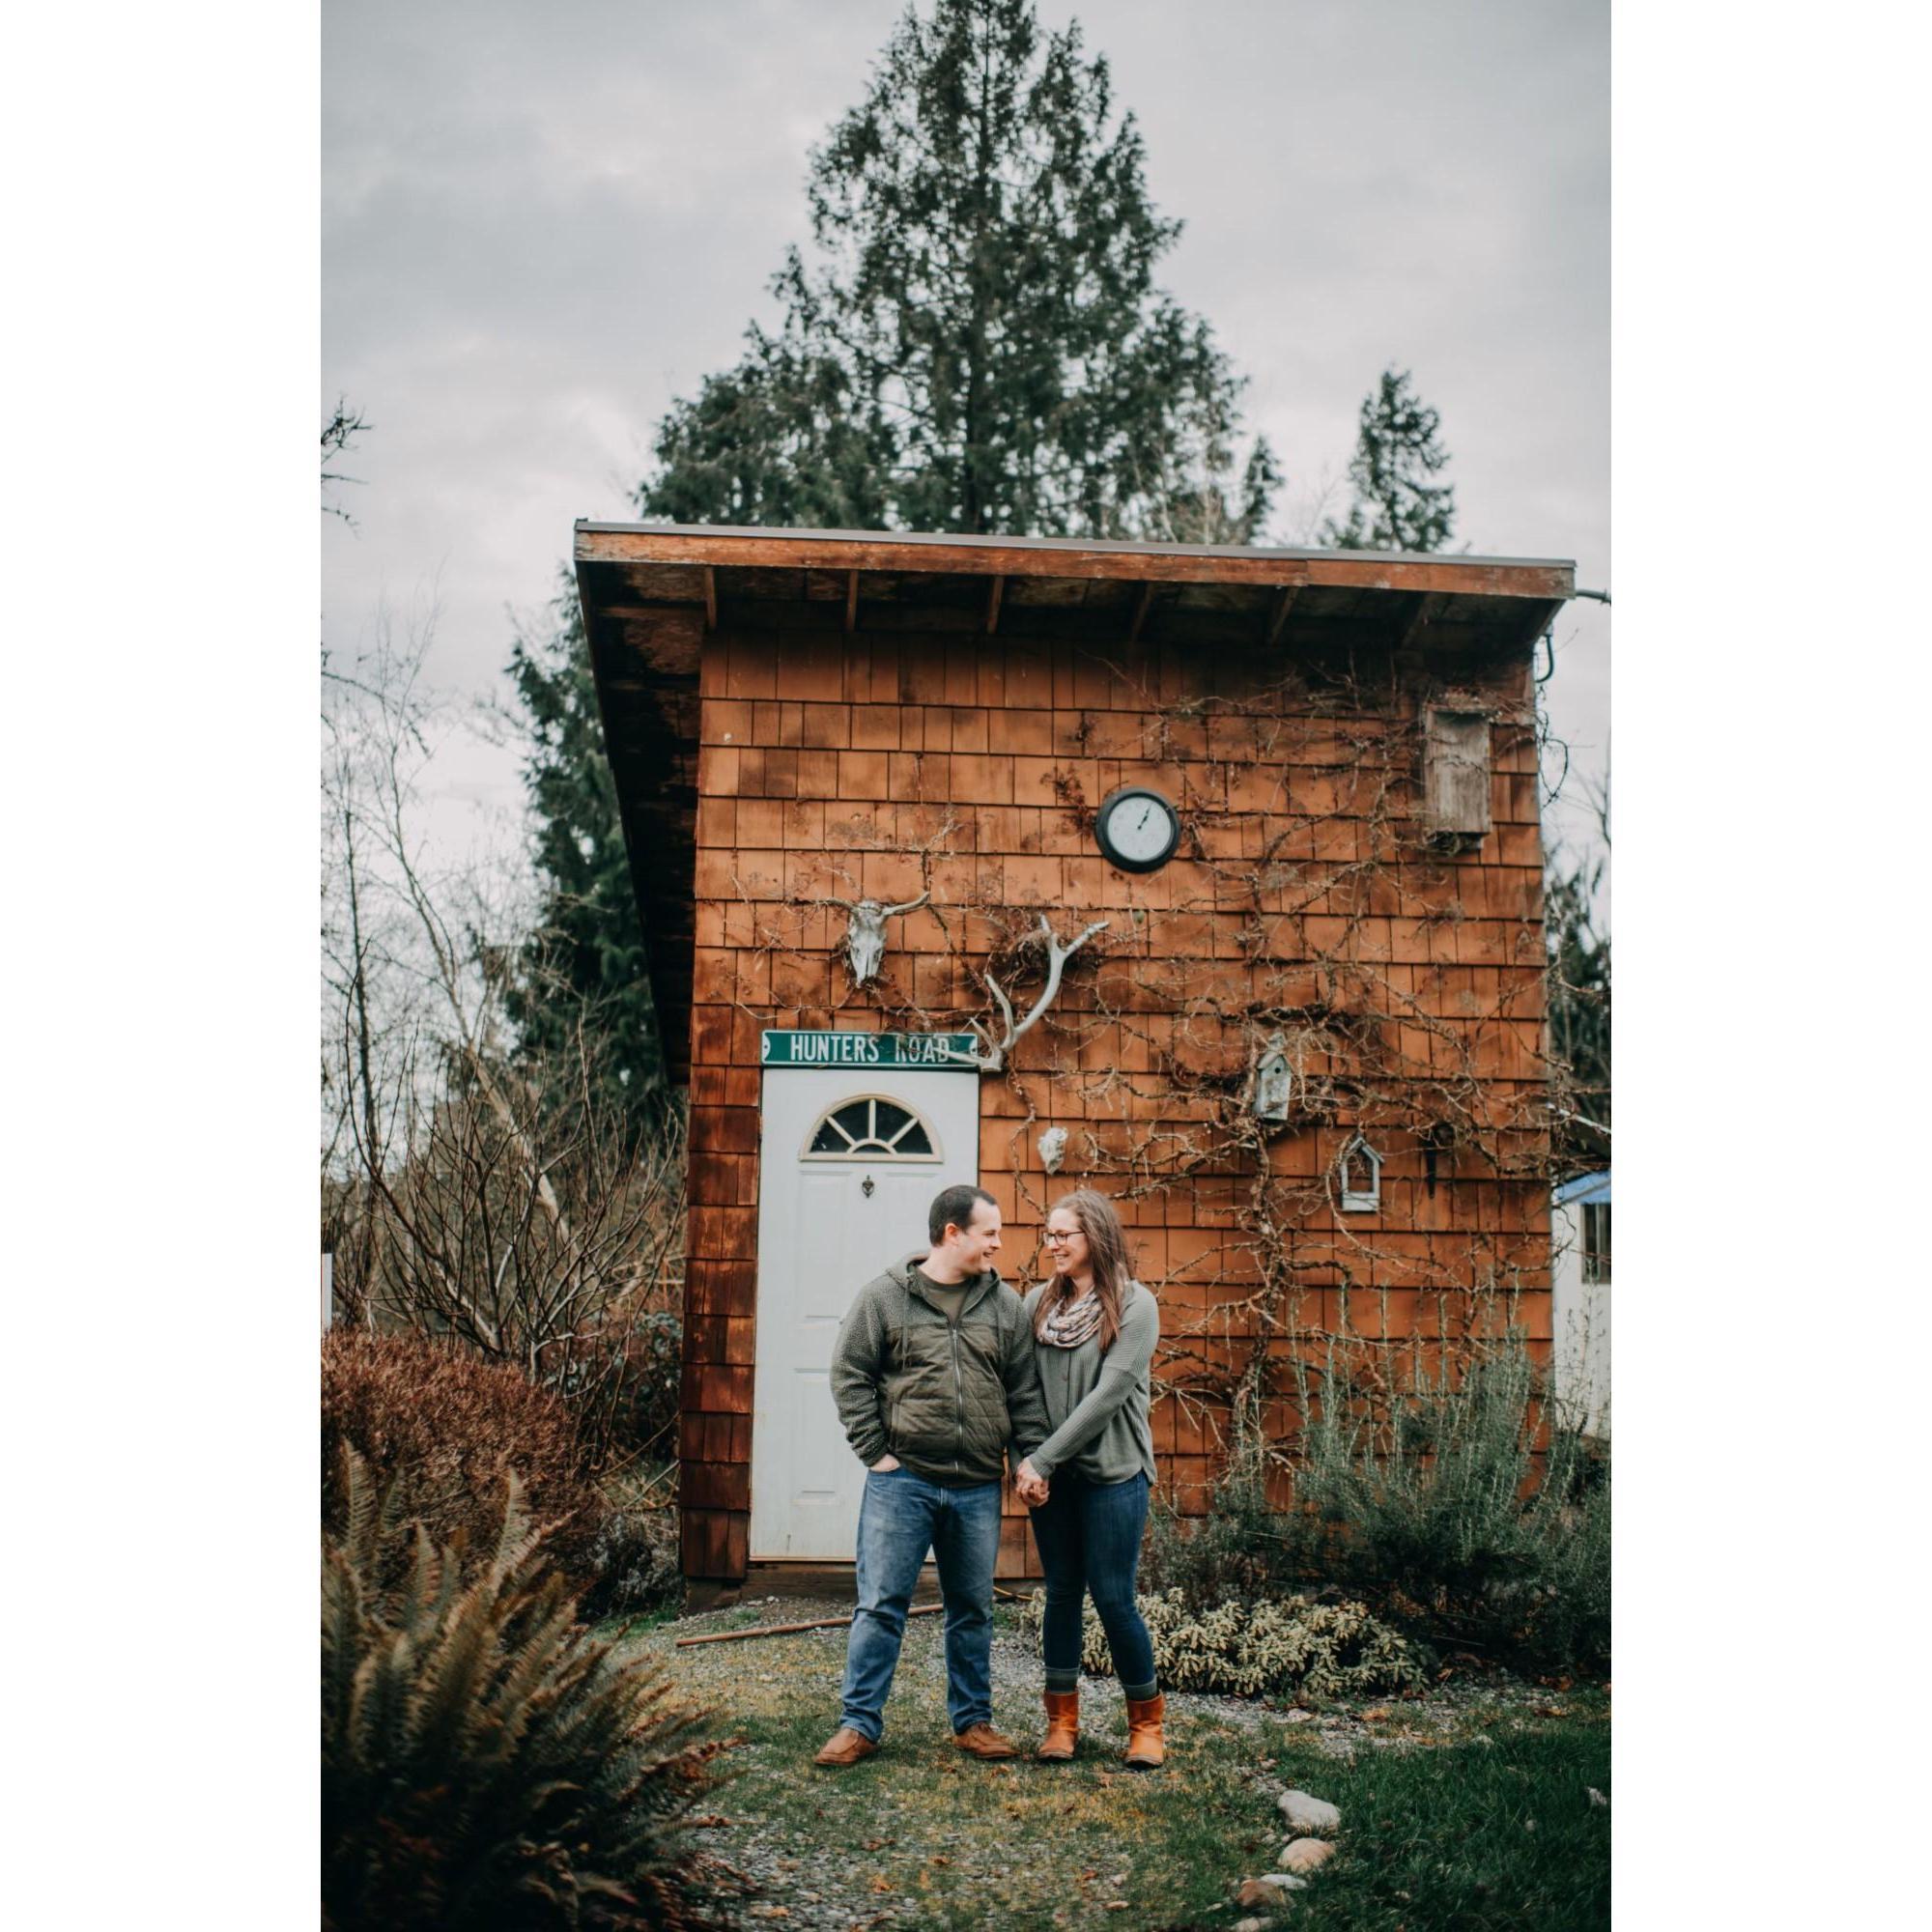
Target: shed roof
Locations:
point(669, 563)
point(652, 592)
point(1585, 1188)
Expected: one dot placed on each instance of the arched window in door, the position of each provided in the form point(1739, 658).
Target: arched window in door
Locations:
point(872, 1127)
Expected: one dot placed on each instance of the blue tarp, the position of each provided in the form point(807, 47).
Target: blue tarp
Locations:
point(1586, 1187)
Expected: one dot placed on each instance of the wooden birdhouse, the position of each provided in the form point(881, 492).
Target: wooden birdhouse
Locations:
point(1361, 1175)
point(1456, 776)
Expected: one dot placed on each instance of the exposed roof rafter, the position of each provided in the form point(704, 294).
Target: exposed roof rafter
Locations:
point(1284, 603)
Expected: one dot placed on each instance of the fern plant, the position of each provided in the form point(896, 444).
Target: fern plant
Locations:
point(486, 1763)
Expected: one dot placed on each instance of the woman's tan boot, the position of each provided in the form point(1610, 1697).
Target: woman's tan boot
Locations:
point(1145, 1747)
point(1063, 1726)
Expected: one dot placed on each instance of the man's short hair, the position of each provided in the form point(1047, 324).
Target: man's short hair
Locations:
point(954, 1204)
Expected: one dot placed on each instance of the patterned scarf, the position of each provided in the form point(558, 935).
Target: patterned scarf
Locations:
point(1071, 1323)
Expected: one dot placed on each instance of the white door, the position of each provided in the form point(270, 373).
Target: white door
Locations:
point(849, 1161)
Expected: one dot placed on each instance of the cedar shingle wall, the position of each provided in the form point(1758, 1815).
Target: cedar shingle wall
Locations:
point(828, 761)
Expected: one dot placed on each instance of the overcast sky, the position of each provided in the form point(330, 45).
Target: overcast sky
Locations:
point(542, 223)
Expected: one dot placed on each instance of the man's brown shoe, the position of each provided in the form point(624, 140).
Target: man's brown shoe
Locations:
point(844, 1746)
point(983, 1740)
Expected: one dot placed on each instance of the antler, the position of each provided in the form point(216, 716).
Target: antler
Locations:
point(884, 911)
point(994, 1059)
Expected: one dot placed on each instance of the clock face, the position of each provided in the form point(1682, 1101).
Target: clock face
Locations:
point(1138, 829)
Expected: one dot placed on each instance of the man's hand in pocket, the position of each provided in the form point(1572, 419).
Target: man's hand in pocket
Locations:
point(884, 1466)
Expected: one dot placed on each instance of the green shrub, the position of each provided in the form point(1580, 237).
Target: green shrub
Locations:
point(636, 1560)
point(1437, 1497)
point(450, 1429)
point(1431, 1500)
point(487, 1766)
point(1289, 1648)
point(653, 1383)
point(1244, 1548)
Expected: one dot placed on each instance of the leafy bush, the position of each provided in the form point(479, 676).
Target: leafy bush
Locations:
point(1242, 1549)
point(636, 1558)
point(1431, 1500)
point(1288, 1648)
point(653, 1385)
point(487, 1766)
point(1438, 1497)
point(450, 1429)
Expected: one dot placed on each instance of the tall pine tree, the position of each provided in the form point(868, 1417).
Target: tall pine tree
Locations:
point(1398, 504)
point(584, 967)
point(1580, 993)
point(979, 345)
point(1579, 1017)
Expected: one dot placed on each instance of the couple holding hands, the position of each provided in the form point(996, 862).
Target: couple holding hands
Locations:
point(943, 1377)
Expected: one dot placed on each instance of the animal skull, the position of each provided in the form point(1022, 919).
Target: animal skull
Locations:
point(866, 934)
point(1053, 1149)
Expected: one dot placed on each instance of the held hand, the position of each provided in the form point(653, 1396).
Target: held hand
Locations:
point(1031, 1486)
point(884, 1466)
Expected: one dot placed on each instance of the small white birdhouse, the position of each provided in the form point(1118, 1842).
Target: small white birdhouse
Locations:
point(1361, 1172)
point(1274, 1082)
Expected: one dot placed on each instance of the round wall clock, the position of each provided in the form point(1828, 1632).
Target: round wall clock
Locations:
point(1138, 829)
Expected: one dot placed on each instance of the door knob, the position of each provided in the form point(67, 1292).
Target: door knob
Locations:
point(865, 1187)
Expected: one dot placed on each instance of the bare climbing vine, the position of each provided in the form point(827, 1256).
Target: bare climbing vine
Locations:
point(1276, 920)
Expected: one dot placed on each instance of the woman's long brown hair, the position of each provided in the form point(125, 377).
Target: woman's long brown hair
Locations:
point(1106, 1255)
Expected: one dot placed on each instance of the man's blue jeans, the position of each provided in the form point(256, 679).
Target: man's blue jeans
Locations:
point(901, 1518)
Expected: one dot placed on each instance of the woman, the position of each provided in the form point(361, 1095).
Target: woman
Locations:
point(1095, 1329)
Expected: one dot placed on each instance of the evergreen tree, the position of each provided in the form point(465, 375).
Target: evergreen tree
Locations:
point(585, 965)
point(980, 349)
point(1397, 506)
point(981, 346)
point(1579, 1016)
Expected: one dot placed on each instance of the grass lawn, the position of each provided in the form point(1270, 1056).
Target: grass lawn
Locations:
point(1474, 1814)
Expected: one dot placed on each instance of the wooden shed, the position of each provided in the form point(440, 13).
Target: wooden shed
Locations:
point(1264, 823)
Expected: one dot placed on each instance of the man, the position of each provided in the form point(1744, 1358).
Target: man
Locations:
point(936, 1385)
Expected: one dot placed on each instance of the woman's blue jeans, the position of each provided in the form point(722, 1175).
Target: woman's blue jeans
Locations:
point(900, 1518)
point(1089, 1537)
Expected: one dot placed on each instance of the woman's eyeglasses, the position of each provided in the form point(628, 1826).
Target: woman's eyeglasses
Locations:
point(1054, 1240)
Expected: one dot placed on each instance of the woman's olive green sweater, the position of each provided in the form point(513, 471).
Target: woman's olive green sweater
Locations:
point(1098, 1404)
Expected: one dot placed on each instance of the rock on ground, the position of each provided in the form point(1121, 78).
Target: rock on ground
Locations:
point(1309, 1815)
point(1304, 1855)
point(1259, 1892)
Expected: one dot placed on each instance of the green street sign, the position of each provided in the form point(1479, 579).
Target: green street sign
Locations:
point(935, 1051)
